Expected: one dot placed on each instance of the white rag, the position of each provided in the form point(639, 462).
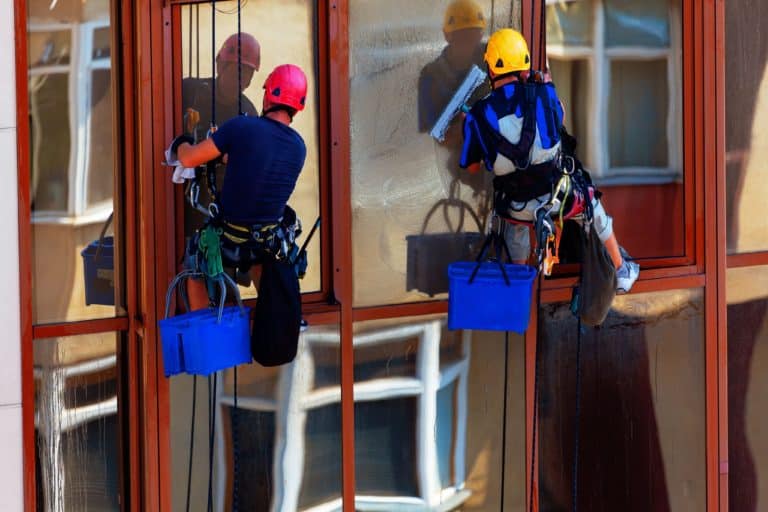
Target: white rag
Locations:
point(180, 173)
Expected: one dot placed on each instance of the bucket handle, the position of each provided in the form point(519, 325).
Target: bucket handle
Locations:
point(223, 279)
point(97, 256)
point(448, 202)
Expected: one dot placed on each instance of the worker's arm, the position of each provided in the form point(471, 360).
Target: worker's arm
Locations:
point(193, 155)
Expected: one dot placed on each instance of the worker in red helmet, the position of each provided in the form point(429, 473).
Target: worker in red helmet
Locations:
point(196, 93)
point(264, 159)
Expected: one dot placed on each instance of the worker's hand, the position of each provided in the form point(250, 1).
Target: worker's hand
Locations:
point(180, 173)
point(474, 168)
point(171, 154)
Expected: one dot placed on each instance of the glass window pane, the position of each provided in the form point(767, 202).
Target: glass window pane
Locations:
point(570, 23)
point(266, 21)
point(642, 411)
point(76, 248)
point(404, 71)
point(76, 420)
point(102, 43)
point(286, 428)
point(49, 48)
point(638, 128)
point(746, 124)
point(573, 80)
point(747, 296)
point(50, 141)
point(637, 23)
point(439, 431)
point(101, 182)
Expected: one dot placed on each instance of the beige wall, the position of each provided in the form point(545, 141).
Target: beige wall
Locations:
point(11, 472)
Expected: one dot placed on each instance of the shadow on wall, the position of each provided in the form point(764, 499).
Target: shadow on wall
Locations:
point(641, 421)
point(746, 124)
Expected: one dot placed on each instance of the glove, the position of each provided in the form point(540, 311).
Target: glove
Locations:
point(171, 154)
point(180, 173)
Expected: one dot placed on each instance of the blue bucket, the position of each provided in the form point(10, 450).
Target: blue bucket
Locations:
point(197, 343)
point(99, 272)
point(489, 303)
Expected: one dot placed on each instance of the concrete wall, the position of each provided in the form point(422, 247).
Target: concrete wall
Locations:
point(11, 464)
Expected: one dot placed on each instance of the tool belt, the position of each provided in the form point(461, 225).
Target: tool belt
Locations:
point(244, 245)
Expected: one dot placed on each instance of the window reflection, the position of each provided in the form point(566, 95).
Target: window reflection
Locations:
point(73, 160)
point(747, 296)
point(266, 22)
point(618, 69)
point(641, 420)
point(76, 423)
point(414, 211)
point(746, 121)
point(280, 449)
point(434, 438)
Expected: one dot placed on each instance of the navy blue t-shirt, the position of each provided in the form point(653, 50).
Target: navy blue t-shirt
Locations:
point(264, 159)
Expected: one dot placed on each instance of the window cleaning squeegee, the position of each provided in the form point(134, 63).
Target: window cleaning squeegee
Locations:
point(474, 79)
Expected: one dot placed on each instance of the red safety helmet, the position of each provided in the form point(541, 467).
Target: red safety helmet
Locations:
point(250, 51)
point(286, 85)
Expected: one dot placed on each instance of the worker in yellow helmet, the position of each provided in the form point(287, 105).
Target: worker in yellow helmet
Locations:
point(517, 132)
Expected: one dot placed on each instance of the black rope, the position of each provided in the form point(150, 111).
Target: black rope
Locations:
point(239, 62)
point(504, 423)
point(575, 483)
point(197, 39)
point(211, 437)
point(191, 437)
point(535, 398)
point(213, 63)
point(189, 44)
point(235, 453)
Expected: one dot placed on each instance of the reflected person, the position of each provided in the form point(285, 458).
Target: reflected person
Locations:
point(463, 27)
point(197, 103)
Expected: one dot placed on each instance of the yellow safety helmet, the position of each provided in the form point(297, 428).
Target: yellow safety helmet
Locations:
point(461, 14)
point(507, 52)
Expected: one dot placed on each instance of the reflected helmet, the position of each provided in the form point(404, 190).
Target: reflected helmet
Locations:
point(286, 85)
point(250, 51)
point(461, 14)
point(507, 52)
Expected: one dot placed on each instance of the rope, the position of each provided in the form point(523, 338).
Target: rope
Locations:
point(197, 38)
point(189, 45)
point(235, 452)
point(191, 439)
point(213, 63)
point(504, 429)
point(575, 483)
point(211, 437)
point(239, 62)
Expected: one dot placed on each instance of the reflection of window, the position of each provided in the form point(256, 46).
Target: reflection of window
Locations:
point(76, 425)
point(410, 424)
point(616, 65)
point(71, 121)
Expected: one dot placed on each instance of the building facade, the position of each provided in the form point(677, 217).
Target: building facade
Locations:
point(385, 408)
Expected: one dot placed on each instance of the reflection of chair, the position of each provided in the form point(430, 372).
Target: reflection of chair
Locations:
point(54, 419)
point(440, 419)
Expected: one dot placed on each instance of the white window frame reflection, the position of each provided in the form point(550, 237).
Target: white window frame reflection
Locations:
point(79, 73)
point(296, 395)
point(599, 58)
point(52, 382)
